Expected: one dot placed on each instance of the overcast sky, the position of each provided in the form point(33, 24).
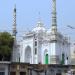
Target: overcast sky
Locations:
point(28, 13)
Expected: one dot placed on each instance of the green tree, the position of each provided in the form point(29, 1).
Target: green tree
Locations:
point(6, 46)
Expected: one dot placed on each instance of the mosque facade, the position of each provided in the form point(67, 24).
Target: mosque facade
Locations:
point(41, 45)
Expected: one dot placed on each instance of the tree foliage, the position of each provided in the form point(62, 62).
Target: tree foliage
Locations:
point(6, 45)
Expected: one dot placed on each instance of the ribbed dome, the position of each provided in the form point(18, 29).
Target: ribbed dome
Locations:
point(39, 27)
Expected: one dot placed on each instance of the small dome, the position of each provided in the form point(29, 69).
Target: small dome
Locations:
point(39, 27)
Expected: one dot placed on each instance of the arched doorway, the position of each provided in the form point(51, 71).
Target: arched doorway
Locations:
point(46, 58)
point(28, 54)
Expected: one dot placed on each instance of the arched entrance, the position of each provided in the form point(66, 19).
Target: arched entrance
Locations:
point(28, 54)
point(46, 56)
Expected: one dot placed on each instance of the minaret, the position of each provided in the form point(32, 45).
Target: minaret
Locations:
point(14, 22)
point(14, 52)
point(54, 18)
point(54, 36)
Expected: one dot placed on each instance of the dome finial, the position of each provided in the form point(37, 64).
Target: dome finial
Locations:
point(39, 16)
point(39, 23)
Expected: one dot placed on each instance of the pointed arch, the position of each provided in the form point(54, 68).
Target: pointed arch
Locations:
point(28, 54)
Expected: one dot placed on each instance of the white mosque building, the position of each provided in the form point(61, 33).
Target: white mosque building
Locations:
point(41, 45)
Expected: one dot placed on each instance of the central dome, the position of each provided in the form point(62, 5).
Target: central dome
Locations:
point(39, 27)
